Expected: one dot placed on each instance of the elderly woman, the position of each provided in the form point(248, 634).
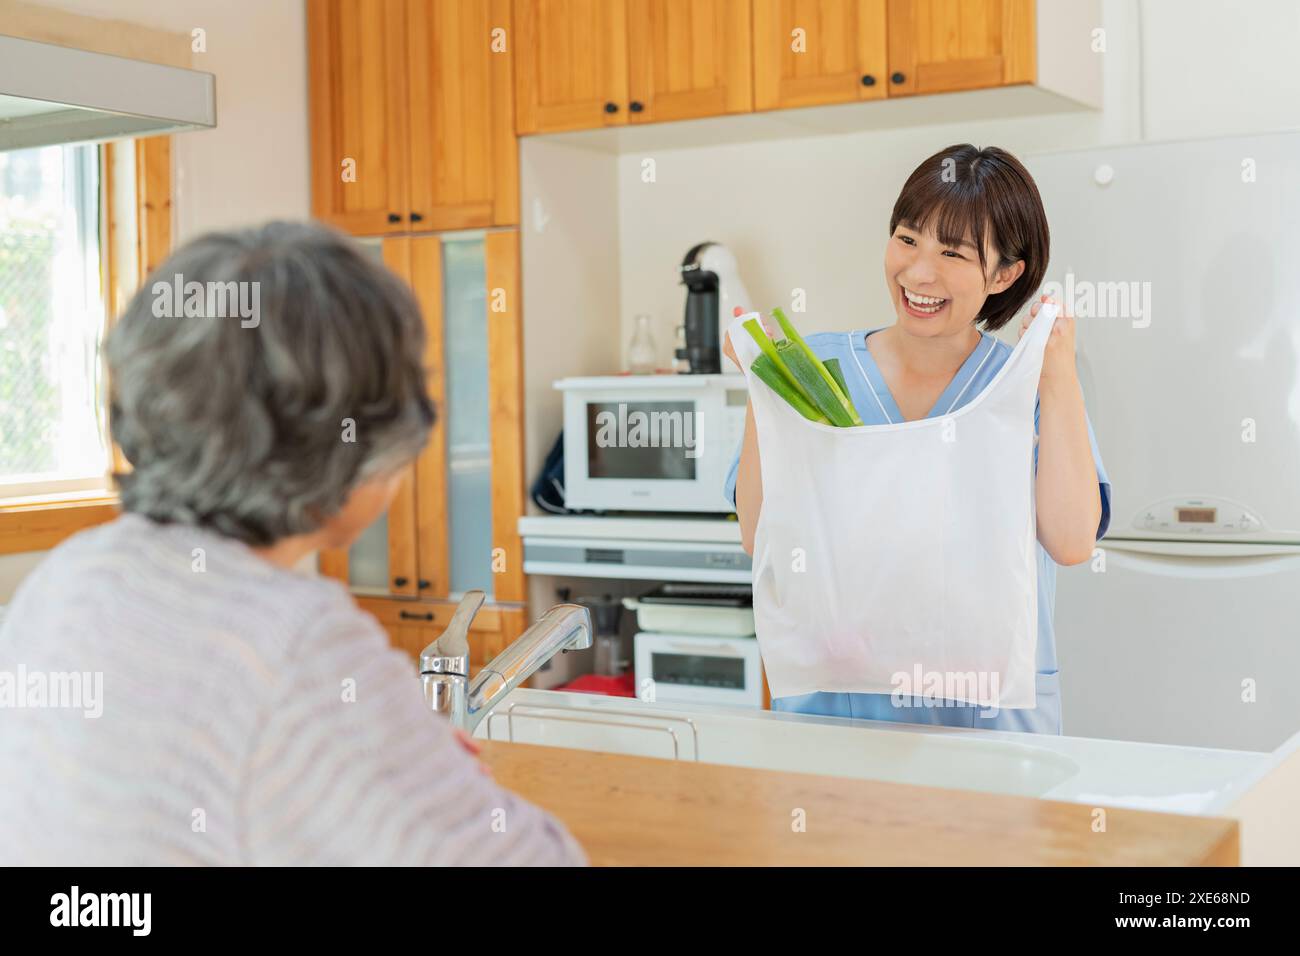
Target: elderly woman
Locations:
point(250, 714)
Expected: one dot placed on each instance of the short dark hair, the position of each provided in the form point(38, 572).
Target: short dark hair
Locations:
point(242, 427)
point(963, 190)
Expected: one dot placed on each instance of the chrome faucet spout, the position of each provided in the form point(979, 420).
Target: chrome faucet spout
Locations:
point(565, 627)
point(445, 670)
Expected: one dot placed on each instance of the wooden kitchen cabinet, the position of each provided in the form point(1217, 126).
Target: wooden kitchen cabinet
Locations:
point(570, 65)
point(385, 560)
point(464, 157)
point(470, 477)
point(411, 106)
point(453, 526)
point(937, 46)
point(583, 64)
point(817, 52)
point(358, 114)
point(688, 59)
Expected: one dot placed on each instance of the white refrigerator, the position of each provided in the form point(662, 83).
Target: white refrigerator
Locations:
point(1182, 262)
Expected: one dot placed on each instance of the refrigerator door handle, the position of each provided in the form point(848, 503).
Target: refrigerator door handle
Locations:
point(1197, 549)
point(1204, 559)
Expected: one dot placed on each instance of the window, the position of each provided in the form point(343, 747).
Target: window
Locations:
point(52, 434)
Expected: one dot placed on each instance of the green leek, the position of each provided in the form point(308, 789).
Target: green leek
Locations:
point(769, 372)
point(845, 406)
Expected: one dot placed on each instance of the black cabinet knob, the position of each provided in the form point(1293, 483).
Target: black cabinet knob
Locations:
point(399, 582)
point(424, 584)
point(636, 106)
point(394, 217)
point(868, 79)
point(412, 616)
point(897, 78)
point(417, 217)
point(611, 107)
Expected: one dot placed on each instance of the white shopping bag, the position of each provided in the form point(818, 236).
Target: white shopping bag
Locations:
point(901, 559)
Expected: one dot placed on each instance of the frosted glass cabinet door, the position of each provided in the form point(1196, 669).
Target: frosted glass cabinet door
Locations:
point(368, 558)
point(383, 559)
point(469, 460)
point(435, 541)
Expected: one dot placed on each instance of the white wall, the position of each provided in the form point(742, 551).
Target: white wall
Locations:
point(255, 165)
point(1221, 67)
point(569, 247)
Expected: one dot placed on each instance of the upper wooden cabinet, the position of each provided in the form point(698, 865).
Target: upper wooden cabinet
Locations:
point(581, 64)
point(464, 157)
point(410, 105)
point(814, 52)
point(570, 64)
point(415, 104)
point(936, 46)
point(358, 114)
point(687, 59)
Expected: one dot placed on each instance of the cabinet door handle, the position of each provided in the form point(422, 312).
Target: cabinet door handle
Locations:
point(636, 106)
point(611, 107)
point(868, 79)
point(394, 217)
point(412, 616)
point(417, 217)
point(424, 584)
point(399, 582)
point(897, 78)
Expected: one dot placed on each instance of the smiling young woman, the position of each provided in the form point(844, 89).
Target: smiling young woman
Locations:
point(968, 247)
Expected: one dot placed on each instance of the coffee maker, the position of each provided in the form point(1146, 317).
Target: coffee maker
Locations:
point(713, 290)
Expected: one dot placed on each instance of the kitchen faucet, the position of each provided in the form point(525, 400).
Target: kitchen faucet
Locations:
point(444, 664)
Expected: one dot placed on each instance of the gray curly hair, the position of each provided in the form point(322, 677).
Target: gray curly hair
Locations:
point(244, 427)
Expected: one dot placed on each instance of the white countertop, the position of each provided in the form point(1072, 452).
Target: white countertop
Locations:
point(1105, 773)
point(705, 529)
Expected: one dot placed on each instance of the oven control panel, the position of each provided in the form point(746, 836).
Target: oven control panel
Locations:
point(1210, 516)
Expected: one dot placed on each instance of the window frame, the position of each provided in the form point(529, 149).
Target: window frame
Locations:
point(40, 521)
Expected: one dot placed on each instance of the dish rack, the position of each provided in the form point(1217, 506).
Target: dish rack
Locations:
point(677, 729)
point(714, 610)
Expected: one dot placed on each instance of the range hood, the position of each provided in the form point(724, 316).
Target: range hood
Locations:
point(54, 94)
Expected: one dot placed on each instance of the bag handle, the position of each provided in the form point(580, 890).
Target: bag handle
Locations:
point(1026, 360)
point(1041, 327)
point(742, 342)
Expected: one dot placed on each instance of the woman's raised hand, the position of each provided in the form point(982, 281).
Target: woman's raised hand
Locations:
point(1058, 358)
point(768, 324)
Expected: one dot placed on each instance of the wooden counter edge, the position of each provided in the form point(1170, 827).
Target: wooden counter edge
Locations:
point(645, 811)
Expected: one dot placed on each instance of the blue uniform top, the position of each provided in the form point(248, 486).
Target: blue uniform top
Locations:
point(876, 406)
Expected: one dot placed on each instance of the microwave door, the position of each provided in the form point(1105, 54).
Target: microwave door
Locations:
point(645, 441)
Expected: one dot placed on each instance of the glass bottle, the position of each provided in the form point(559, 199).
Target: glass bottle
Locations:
point(641, 350)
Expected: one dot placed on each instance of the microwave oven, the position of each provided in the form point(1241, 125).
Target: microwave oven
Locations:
point(651, 442)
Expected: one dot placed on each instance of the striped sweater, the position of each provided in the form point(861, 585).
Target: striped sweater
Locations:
point(247, 715)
